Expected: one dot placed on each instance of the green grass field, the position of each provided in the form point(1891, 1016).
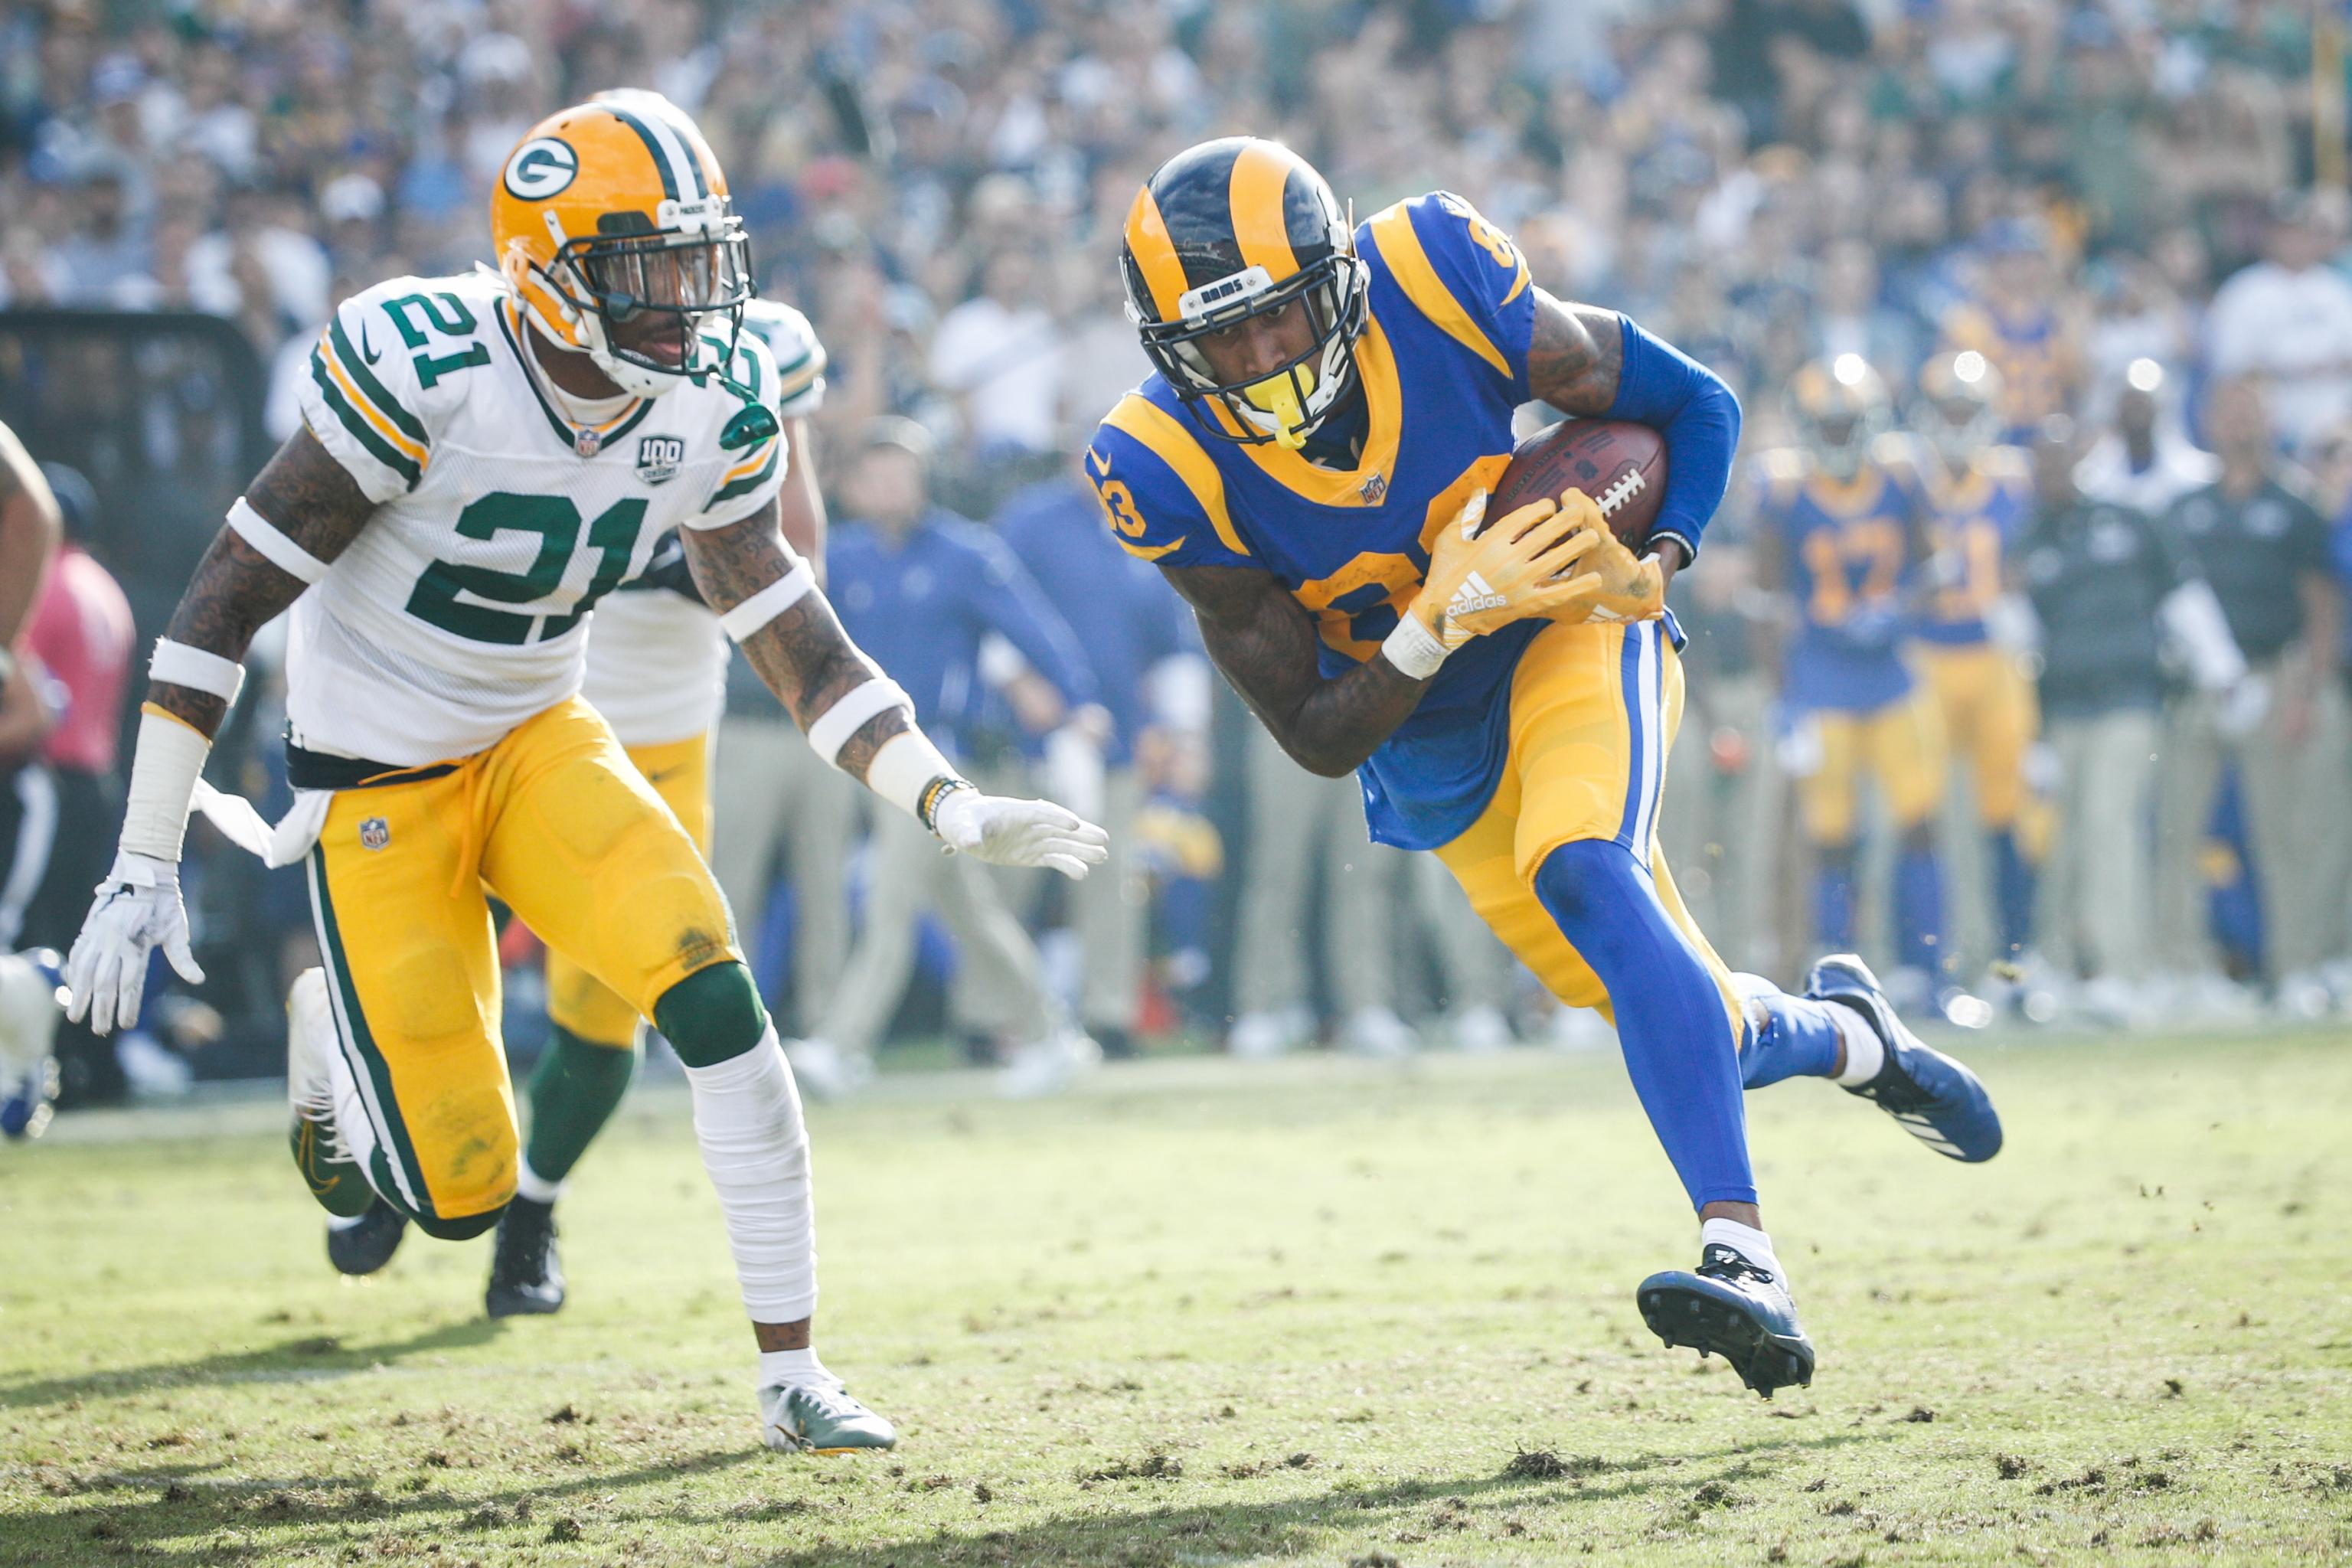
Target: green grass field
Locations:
point(1317, 1311)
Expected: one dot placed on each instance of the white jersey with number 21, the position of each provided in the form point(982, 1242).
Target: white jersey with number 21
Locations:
point(462, 608)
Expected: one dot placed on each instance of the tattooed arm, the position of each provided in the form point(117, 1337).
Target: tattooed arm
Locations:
point(305, 495)
point(1263, 641)
point(805, 657)
point(1574, 356)
point(28, 535)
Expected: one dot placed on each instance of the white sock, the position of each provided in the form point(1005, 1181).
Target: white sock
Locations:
point(530, 1183)
point(780, 1369)
point(747, 1117)
point(353, 1130)
point(1865, 1053)
point(1744, 1239)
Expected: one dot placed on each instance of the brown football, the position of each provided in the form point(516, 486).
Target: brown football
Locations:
point(1623, 465)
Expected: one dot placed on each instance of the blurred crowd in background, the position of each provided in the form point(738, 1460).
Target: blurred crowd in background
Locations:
point(2134, 211)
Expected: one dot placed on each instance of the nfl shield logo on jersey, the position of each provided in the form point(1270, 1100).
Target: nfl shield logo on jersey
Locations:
point(659, 457)
point(1373, 490)
point(375, 833)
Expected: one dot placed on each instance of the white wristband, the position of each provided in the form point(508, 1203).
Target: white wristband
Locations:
point(769, 603)
point(198, 669)
point(1413, 649)
point(165, 767)
point(273, 545)
point(831, 729)
point(904, 768)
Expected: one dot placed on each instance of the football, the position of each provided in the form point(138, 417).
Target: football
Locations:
point(1621, 465)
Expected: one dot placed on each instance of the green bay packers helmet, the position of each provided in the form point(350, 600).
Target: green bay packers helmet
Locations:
point(1958, 411)
point(1228, 231)
point(613, 215)
point(1841, 407)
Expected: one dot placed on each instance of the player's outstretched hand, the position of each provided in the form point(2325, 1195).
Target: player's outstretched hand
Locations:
point(1481, 579)
point(1615, 584)
point(1007, 832)
point(137, 910)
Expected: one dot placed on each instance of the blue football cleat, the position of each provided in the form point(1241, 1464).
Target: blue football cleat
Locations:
point(1935, 1099)
point(1736, 1310)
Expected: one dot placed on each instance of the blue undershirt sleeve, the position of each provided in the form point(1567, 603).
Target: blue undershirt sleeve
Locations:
point(1691, 406)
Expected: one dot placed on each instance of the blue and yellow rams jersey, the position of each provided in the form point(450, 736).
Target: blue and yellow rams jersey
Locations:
point(1444, 364)
point(2036, 353)
point(1848, 547)
point(1971, 523)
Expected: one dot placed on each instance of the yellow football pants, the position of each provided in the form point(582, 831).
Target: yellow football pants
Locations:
point(1899, 746)
point(1990, 716)
point(679, 772)
point(554, 820)
point(1593, 714)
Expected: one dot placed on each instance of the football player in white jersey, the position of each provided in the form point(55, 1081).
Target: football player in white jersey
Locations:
point(657, 671)
point(482, 460)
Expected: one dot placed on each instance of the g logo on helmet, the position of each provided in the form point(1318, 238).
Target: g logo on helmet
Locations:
point(540, 168)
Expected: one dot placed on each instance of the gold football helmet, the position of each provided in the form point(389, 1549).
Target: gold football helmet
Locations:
point(1840, 406)
point(612, 225)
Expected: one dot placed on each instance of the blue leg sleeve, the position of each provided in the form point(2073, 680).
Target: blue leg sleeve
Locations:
point(1833, 900)
point(2013, 890)
point(1919, 909)
point(1797, 1037)
point(1678, 1045)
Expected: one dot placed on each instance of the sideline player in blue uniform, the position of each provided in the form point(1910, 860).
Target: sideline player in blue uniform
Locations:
point(1309, 465)
point(1980, 494)
point(1844, 524)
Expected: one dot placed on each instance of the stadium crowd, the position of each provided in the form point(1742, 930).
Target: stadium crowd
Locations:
point(2132, 211)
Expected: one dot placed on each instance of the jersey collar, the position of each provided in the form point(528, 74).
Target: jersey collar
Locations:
point(1366, 484)
point(582, 440)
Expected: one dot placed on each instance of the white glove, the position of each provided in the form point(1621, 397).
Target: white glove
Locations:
point(1007, 832)
point(137, 910)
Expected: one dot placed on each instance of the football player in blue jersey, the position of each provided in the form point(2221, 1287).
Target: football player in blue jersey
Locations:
point(1980, 496)
point(1309, 465)
point(1844, 529)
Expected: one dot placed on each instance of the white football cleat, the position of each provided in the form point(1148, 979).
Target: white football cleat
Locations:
point(825, 1071)
point(1577, 1031)
point(820, 1417)
point(1378, 1034)
point(1481, 1031)
point(1258, 1036)
point(1047, 1067)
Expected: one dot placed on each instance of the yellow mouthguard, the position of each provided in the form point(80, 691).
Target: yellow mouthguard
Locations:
point(1278, 396)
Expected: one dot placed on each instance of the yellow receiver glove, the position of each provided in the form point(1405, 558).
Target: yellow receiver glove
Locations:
point(1482, 579)
point(1616, 584)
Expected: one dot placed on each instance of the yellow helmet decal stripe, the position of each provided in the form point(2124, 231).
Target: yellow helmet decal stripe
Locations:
point(1409, 264)
point(1173, 445)
point(1155, 254)
point(1256, 197)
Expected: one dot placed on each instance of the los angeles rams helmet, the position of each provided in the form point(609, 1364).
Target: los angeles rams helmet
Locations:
point(1228, 231)
point(613, 209)
point(1841, 407)
point(1958, 412)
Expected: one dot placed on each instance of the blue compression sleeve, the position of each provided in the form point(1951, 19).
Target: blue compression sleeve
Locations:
point(1833, 900)
point(2013, 882)
point(1679, 1050)
point(1919, 909)
point(1798, 1036)
point(1660, 386)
